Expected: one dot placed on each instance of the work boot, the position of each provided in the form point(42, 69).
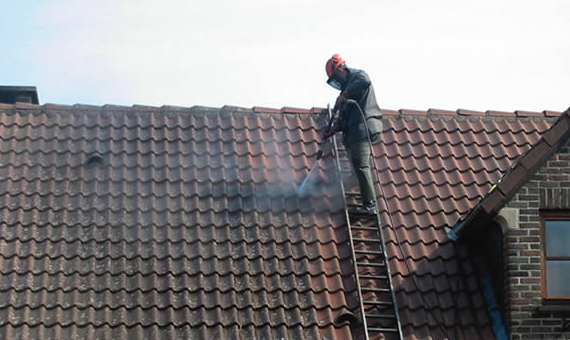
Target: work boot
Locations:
point(368, 208)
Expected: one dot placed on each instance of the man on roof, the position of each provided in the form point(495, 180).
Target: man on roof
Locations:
point(359, 119)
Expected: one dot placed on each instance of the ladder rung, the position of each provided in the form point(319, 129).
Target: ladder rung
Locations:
point(380, 316)
point(365, 264)
point(366, 240)
point(358, 213)
point(362, 216)
point(383, 330)
point(368, 252)
point(375, 290)
point(374, 277)
point(352, 194)
point(377, 303)
point(364, 228)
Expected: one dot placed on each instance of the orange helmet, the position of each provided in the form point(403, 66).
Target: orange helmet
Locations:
point(333, 64)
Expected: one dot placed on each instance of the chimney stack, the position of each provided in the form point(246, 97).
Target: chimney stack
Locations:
point(18, 94)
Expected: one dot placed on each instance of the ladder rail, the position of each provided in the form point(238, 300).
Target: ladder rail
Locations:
point(380, 232)
point(351, 241)
point(379, 224)
point(389, 272)
point(369, 329)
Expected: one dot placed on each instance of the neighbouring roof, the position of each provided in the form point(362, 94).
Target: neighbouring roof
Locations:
point(130, 222)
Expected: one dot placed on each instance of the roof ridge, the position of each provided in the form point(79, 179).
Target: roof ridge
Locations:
point(471, 113)
point(432, 112)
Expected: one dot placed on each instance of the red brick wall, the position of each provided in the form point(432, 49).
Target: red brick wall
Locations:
point(549, 188)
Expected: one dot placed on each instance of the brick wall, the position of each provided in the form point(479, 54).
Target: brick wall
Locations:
point(549, 188)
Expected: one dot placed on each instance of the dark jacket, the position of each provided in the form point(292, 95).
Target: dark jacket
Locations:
point(359, 88)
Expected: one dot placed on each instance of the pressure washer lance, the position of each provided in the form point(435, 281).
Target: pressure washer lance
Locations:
point(302, 189)
point(320, 153)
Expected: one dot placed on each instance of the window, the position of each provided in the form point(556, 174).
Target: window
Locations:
point(556, 256)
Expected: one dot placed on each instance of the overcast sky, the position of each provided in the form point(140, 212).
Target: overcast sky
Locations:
point(479, 55)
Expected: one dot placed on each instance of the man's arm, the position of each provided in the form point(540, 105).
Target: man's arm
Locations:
point(334, 129)
point(356, 85)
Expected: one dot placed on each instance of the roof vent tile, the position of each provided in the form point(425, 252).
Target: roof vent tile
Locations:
point(94, 160)
point(345, 317)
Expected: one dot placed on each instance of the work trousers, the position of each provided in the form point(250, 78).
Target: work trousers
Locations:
point(359, 155)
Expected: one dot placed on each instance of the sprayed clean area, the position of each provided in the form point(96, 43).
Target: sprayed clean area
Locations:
point(302, 190)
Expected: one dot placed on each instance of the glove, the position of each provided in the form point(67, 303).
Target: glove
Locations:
point(329, 133)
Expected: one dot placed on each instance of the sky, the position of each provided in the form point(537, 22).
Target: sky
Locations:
point(442, 54)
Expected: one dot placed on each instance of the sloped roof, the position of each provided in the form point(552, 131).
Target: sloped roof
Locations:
point(435, 166)
point(516, 176)
point(125, 222)
point(132, 223)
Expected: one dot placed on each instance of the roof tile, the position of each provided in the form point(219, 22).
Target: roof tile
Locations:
point(287, 109)
point(191, 225)
point(463, 112)
point(433, 171)
point(390, 112)
point(531, 159)
point(51, 106)
point(232, 108)
point(163, 225)
point(549, 113)
point(261, 109)
point(501, 113)
point(556, 132)
point(412, 112)
point(518, 173)
point(441, 112)
point(510, 181)
point(520, 113)
point(26, 106)
point(318, 110)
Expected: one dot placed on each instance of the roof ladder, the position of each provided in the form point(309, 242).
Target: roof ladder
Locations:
point(377, 299)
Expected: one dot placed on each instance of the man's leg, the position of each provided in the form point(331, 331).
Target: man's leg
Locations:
point(359, 153)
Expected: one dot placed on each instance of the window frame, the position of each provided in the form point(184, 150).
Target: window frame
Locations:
point(558, 215)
